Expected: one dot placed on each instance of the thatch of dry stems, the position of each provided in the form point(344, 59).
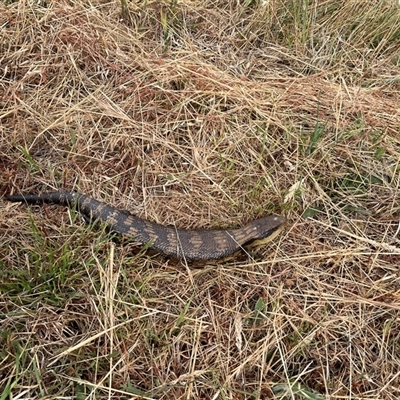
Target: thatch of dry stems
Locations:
point(202, 114)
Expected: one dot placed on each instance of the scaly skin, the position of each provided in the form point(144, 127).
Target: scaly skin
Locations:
point(192, 245)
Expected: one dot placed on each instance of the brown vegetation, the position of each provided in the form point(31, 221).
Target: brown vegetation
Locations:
point(202, 114)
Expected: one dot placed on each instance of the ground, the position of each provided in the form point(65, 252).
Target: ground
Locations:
point(201, 115)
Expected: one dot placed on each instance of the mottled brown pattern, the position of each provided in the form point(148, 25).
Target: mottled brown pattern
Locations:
point(178, 243)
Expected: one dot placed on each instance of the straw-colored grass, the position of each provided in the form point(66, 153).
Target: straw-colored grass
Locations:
point(201, 114)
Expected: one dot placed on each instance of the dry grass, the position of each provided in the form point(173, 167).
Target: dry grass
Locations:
point(202, 114)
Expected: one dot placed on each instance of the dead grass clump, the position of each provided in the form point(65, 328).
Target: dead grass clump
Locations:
point(201, 115)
